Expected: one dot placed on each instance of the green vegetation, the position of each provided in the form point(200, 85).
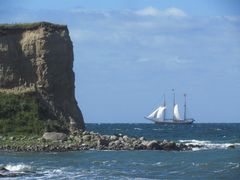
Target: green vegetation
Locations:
point(24, 114)
point(30, 25)
point(19, 114)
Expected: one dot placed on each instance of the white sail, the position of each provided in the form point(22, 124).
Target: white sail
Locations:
point(157, 114)
point(160, 113)
point(176, 112)
point(153, 114)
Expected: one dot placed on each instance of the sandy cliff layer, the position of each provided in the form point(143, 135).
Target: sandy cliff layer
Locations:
point(39, 57)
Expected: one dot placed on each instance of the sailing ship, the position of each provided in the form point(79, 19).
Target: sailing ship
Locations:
point(158, 116)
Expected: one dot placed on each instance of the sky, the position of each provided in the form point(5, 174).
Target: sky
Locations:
point(127, 54)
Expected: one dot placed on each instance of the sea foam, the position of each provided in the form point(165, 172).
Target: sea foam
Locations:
point(18, 167)
point(208, 144)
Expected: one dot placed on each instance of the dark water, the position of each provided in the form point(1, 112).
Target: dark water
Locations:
point(214, 161)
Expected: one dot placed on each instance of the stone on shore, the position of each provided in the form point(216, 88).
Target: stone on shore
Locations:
point(54, 141)
point(102, 142)
point(54, 136)
point(232, 146)
point(153, 145)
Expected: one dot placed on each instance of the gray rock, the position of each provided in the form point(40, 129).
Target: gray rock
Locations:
point(102, 142)
point(125, 138)
point(111, 144)
point(232, 146)
point(86, 137)
point(170, 146)
point(113, 138)
point(12, 138)
point(117, 142)
point(153, 145)
point(77, 139)
point(141, 139)
point(105, 137)
point(144, 143)
point(85, 133)
point(54, 136)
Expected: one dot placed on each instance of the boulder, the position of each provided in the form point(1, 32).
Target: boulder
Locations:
point(170, 146)
point(12, 138)
point(86, 133)
point(77, 139)
point(144, 143)
point(153, 145)
point(113, 138)
point(232, 146)
point(86, 137)
point(54, 136)
point(102, 142)
point(125, 138)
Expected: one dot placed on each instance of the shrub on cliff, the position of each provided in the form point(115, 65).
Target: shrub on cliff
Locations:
point(19, 115)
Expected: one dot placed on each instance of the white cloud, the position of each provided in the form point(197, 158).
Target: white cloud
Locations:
point(151, 11)
point(88, 12)
point(143, 60)
point(148, 11)
point(232, 18)
point(175, 12)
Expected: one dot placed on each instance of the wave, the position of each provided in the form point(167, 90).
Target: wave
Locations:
point(139, 129)
point(14, 170)
point(157, 129)
point(117, 129)
point(233, 165)
point(18, 167)
point(208, 144)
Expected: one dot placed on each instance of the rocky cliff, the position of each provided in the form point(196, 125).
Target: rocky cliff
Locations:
point(38, 59)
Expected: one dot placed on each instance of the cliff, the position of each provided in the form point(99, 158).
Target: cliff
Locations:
point(37, 60)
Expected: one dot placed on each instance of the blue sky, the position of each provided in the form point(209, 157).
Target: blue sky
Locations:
point(129, 53)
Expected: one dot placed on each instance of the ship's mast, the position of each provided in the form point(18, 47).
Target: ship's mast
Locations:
point(173, 103)
point(164, 105)
point(185, 106)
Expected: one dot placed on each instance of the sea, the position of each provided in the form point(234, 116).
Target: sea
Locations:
point(215, 160)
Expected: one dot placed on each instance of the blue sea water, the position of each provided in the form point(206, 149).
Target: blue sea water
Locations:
point(214, 161)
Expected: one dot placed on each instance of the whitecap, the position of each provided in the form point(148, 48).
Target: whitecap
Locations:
point(139, 129)
point(157, 129)
point(196, 149)
point(199, 164)
point(174, 172)
point(138, 163)
point(59, 171)
point(105, 162)
point(18, 167)
point(194, 141)
point(219, 171)
point(208, 144)
point(160, 164)
point(233, 165)
point(50, 173)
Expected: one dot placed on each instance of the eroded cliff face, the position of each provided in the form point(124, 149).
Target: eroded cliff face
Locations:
point(39, 57)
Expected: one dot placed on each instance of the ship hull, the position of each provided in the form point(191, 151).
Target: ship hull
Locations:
point(171, 121)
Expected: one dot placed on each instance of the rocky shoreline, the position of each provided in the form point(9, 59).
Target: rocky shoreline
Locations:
point(60, 142)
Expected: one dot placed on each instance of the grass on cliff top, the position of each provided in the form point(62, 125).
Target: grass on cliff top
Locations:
point(30, 25)
point(24, 114)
